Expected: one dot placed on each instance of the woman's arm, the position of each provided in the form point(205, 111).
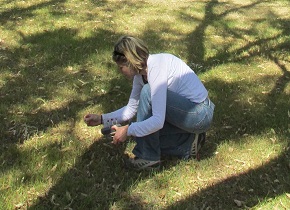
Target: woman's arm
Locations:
point(127, 112)
point(157, 79)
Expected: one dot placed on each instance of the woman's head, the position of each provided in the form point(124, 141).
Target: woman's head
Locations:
point(131, 52)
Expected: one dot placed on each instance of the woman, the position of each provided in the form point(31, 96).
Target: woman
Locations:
point(172, 105)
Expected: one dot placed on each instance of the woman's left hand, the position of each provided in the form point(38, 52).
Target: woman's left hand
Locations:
point(120, 134)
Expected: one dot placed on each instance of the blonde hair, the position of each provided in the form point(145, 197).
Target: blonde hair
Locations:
point(132, 52)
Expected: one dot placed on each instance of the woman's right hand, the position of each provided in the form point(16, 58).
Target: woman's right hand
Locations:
point(93, 119)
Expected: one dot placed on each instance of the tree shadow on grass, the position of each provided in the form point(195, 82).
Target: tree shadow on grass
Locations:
point(41, 76)
point(39, 71)
point(242, 117)
point(269, 111)
point(245, 189)
point(258, 47)
point(99, 175)
point(22, 13)
point(96, 181)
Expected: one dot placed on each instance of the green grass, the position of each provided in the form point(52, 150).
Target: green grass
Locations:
point(55, 66)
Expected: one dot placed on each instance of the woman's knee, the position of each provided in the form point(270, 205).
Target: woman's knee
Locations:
point(204, 124)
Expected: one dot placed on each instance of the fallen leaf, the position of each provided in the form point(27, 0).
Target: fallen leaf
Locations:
point(19, 205)
point(227, 127)
point(53, 168)
point(162, 193)
point(178, 193)
point(116, 186)
point(238, 203)
point(273, 131)
point(240, 161)
point(198, 177)
point(90, 163)
point(273, 140)
point(52, 200)
point(67, 195)
point(65, 149)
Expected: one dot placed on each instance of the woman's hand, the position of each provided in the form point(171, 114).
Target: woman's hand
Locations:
point(93, 119)
point(120, 134)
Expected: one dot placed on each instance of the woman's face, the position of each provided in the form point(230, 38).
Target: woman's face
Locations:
point(126, 71)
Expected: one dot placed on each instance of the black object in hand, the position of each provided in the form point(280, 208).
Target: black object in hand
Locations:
point(108, 130)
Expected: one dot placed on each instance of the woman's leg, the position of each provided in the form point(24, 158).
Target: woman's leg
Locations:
point(189, 116)
point(147, 147)
point(183, 119)
point(175, 141)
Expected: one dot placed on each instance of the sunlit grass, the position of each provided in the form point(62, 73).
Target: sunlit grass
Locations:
point(55, 67)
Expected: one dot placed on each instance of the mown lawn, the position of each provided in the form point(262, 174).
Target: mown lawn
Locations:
point(55, 67)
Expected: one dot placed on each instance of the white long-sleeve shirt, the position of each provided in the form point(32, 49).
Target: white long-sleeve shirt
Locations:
point(165, 72)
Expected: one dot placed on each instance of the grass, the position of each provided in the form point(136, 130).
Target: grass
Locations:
point(55, 66)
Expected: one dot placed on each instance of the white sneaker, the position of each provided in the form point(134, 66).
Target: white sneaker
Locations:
point(141, 164)
point(198, 142)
